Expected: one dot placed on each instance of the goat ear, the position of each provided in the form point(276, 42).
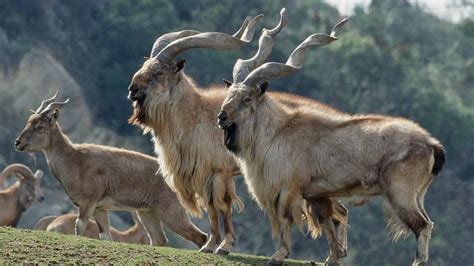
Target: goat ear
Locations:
point(39, 174)
point(262, 88)
point(55, 114)
point(227, 83)
point(180, 65)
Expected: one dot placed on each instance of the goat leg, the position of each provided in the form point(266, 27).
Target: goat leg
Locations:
point(101, 216)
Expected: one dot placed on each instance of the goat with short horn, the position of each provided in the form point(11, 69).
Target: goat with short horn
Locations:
point(98, 178)
point(21, 195)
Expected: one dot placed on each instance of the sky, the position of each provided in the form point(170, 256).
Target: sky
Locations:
point(441, 8)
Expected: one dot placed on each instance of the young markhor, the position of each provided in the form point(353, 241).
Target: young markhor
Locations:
point(98, 178)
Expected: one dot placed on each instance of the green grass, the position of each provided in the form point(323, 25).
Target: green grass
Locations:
point(27, 246)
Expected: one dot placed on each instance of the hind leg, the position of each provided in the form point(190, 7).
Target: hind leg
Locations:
point(176, 219)
point(406, 208)
point(406, 195)
point(421, 199)
point(153, 227)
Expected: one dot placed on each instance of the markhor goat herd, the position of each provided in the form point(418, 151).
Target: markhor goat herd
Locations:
point(298, 156)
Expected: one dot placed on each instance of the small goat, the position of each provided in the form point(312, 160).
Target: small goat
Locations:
point(65, 224)
point(98, 178)
point(313, 154)
point(19, 196)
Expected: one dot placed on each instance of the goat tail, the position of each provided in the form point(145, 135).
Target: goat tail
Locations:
point(439, 157)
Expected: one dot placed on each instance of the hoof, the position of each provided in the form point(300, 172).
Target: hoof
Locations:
point(419, 263)
point(205, 250)
point(275, 262)
point(334, 263)
point(221, 251)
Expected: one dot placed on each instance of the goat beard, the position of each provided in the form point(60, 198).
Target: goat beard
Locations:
point(138, 117)
point(230, 138)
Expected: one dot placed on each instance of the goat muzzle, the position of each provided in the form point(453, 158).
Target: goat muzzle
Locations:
point(223, 119)
point(19, 145)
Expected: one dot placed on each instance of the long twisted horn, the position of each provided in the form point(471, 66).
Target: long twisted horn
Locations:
point(210, 40)
point(17, 168)
point(265, 45)
point(45, 102)
point(168, 38)
point(54, 105)
point(296, 59)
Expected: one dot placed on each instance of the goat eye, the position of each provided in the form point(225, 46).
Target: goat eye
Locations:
point(40, 127)
point(158, 73)
point(247, 100)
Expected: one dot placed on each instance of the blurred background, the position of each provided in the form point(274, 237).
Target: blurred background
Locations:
point(405, 58)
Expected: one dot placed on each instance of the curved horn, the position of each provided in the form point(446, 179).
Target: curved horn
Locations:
point(17, 168)
point(45, 102)
point(210, 40)
point(168, 38)
point(265, 45)
point(296, 59)
point(53, 106)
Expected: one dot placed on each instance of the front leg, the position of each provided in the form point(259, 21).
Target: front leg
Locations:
point(341, 226)
point(85, 213)
point(215, 237)
point(101, 216)
point(283, 250)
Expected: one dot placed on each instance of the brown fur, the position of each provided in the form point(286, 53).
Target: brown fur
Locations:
point(43, 223)
point(181, 116)
point(19, 196)
point(98, 178)
point(65, 224)
point(316, 153)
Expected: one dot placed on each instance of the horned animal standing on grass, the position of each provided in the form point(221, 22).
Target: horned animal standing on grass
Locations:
point(21, 195)
point(313, 154)
point(98, 178)
point(181, 117)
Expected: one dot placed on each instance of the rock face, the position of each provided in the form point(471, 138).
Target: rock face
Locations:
point(38, 77)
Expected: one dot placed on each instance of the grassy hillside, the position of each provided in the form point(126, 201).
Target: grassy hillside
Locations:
point(43, 247)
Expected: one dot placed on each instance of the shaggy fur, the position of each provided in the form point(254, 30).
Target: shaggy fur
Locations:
point(21, 195)
point(182, 118)
point(65, 224)
point(292, 155)
point(98, 178)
